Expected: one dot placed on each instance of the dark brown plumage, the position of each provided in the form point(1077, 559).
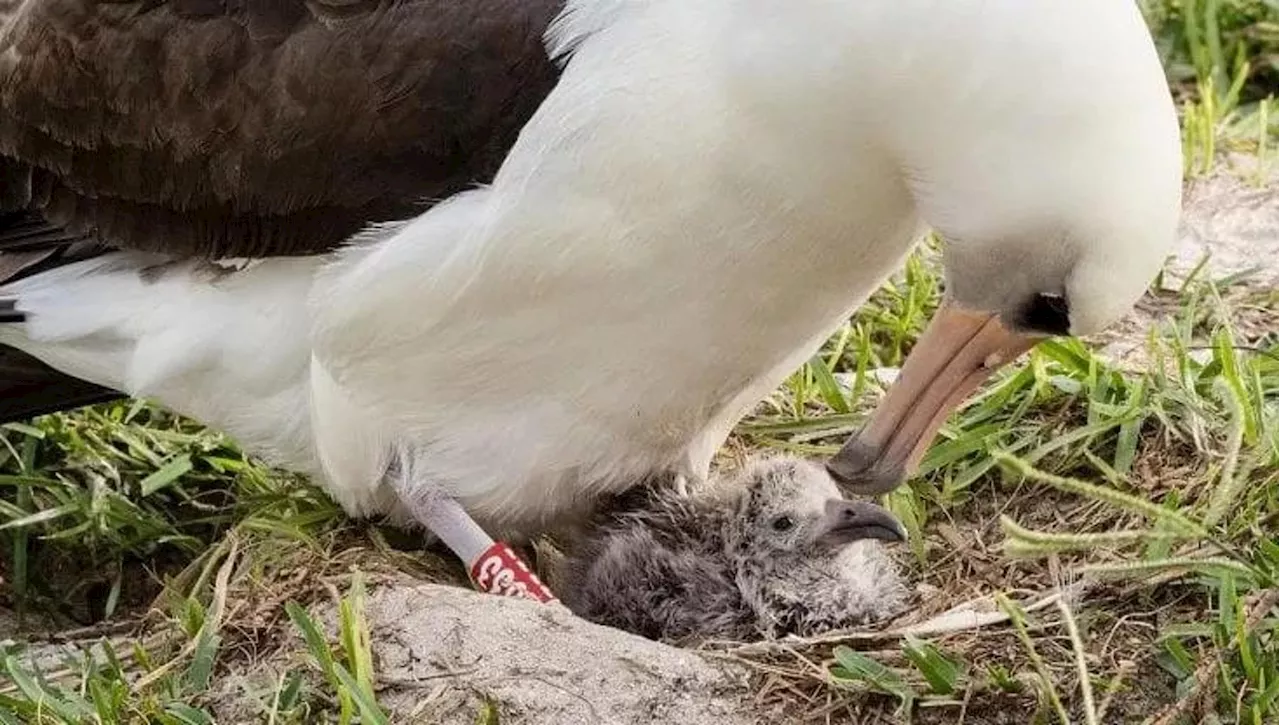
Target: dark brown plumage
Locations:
point(29, 388)
point(245, 128)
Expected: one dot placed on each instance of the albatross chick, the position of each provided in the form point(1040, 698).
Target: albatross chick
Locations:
point(773, 550)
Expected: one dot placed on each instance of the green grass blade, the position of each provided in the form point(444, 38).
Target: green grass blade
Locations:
point(370, 712)
point(940, 671)
point(166, 475)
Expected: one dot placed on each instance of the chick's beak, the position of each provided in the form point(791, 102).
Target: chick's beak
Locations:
point(845, 522)
point(957, 352)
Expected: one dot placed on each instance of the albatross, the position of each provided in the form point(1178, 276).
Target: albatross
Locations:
point(477, 264)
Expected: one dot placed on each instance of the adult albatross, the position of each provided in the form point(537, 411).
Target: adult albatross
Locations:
point(701, 196)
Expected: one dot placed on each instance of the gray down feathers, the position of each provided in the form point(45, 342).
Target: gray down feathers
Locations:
point(710, 566)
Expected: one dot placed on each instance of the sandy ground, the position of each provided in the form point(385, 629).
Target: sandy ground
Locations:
point(1234, 223)
point(442, 652)
point(1229, 225)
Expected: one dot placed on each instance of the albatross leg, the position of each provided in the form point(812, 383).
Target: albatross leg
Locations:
point(493, 566)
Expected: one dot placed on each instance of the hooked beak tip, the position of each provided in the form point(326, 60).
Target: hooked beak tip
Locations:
point(957, 352)
point(858, 521)
point(892, 531)
point(859, 468)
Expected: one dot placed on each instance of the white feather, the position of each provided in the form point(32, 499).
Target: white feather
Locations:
point(229, 349)
point(580, 20)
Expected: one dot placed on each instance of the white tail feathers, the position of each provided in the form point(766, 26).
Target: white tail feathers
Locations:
point(226, 345)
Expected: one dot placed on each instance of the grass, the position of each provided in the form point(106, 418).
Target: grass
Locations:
point(1221, 58)
point(1113, 511)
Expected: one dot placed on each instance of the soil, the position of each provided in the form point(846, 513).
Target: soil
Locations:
point(1230, 225)
point(445, 654)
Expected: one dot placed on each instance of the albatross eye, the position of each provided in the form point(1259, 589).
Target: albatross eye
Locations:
point(782, 523)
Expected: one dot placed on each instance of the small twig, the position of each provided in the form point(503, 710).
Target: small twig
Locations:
point(595, 714)
point(385, 681)
point(1205, 672)
point(213, 618)
point(1126, 669)
point(1020, 629)
point(964, 704)
point(90, 633)
point(963, 617)
point(1077, 644)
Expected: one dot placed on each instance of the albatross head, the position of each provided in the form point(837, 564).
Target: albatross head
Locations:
point(1049, 164)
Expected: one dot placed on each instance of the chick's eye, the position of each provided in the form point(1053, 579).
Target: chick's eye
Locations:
point(782, 523)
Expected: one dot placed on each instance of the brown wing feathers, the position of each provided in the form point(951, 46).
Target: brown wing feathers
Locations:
point(263, 127)
point(243, 128)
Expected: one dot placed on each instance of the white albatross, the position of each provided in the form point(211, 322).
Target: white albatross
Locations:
point(709, 189)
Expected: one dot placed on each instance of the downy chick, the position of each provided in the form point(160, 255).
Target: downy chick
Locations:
point(772, 550)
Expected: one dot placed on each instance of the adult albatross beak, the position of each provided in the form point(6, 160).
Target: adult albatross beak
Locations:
point(960, 349)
